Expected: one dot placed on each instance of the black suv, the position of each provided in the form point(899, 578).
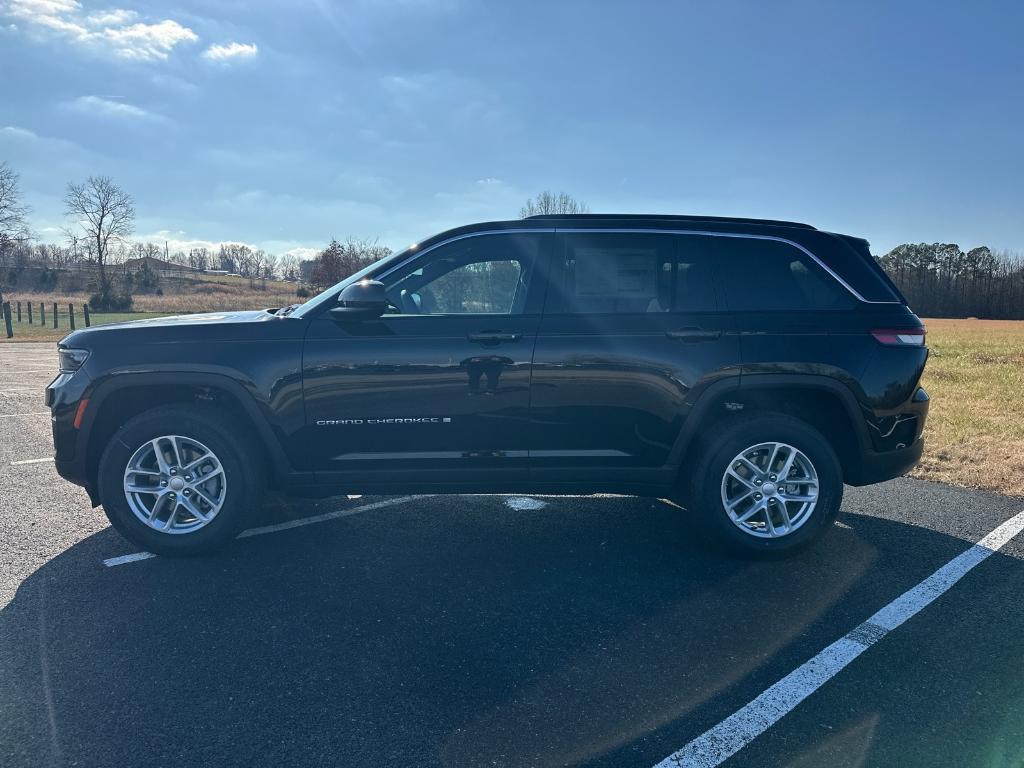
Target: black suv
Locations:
point(747, 368)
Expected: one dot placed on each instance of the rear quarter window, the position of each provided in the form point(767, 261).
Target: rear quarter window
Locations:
point(851, 259)
point(759, 274)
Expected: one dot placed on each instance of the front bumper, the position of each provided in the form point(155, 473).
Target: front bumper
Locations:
point(63, 396)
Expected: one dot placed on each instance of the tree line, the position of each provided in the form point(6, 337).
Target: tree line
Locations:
point(942, 280)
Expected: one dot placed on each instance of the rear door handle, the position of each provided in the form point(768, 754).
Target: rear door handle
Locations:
point(693, 334)
point(494, 337)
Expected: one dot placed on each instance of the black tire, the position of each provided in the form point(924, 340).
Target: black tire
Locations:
point(242, 493)
point(702, 491)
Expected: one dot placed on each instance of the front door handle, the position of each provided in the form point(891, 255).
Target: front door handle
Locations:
point(693, 335)
point(494, 337)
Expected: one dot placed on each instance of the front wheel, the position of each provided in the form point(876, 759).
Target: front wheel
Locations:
point(177, 481)
point(766, 485)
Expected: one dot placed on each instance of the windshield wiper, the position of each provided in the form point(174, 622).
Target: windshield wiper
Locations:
point(286, 310)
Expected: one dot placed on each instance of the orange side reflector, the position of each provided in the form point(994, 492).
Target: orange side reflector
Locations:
point(80, 413)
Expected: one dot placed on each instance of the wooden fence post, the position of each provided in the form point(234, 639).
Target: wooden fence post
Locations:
point(19, 311)
point(42, 313)
point(85, 312)
point(55, 315)
point(7, 319)
point(29, 312)
point(71, 316)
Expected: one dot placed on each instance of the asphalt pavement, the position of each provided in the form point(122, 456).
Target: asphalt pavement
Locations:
point(489, 630)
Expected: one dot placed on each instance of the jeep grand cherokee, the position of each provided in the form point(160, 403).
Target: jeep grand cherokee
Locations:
point(748, 368)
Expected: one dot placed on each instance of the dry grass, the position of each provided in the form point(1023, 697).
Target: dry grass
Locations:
point(207, 296)
point(37, 332)
point(214, 293)
point(975, 431)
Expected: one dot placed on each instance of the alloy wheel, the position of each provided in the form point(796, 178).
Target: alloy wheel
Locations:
point(175, 484)
point(769, 490)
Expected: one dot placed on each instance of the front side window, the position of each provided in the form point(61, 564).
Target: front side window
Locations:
point(486, 274)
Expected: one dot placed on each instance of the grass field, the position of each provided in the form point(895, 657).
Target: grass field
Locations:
point(212, 294)
point(975, 376)
point(975, 431)
point(36, 332)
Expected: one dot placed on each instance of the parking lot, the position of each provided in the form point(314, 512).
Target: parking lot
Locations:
point(501, 631)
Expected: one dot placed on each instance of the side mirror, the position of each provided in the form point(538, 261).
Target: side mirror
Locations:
point(364, 300)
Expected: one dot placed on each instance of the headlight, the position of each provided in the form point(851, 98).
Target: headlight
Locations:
point(70, 360)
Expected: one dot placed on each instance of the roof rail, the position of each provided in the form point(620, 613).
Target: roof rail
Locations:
point(667, 217)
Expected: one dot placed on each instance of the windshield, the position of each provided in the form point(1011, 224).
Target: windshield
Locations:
point(327, 295)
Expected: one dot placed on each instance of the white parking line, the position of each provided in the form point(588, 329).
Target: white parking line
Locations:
point(30, 413)
point(524, 503)
point(136, 556)
point(12, 372)
point(31, 461)
point(132, 558)
point(718, 744)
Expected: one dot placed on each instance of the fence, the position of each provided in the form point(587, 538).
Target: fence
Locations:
point(38, 314)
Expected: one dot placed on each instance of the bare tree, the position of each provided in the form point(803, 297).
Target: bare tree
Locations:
point(339, 260)
point(547, 203)
point(199, 258)
point(270, 266)
point(104, 212)
point(289, 266)
point(12, 211)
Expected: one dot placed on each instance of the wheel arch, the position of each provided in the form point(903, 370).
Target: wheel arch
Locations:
point(826, 404)
point(120, 398)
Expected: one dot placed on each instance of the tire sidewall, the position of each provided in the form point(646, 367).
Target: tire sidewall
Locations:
point(741, 435)
point(208, 430)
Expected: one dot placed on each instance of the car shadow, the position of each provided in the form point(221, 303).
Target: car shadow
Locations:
point(449, 631)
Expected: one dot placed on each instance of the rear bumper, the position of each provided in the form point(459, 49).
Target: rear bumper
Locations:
point(895, 446)
point(877, 467)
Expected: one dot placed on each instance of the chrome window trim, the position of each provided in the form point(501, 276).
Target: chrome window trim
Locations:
point(856, 294)
point(637, 230)
point(463, 236)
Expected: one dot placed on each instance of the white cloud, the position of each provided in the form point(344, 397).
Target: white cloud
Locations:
point(109, 31)
point(113, 17)
point(31, 142)
point(148, 41)
point(97, 105)
point(180, 240)
point(13, 132)
point(303, 254)
point(218, 52)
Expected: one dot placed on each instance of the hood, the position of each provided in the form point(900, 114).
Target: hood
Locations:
point(203, 318)
point(205, 327)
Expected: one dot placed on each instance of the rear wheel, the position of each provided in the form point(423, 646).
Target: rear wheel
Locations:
point(177, 481)
point(766, 485)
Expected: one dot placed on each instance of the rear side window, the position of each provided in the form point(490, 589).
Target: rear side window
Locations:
point(627, 273)
point(758, 274)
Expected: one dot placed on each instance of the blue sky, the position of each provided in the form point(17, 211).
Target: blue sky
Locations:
point(283, 125)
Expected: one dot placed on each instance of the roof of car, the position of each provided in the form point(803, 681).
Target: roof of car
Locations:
point(666, 217)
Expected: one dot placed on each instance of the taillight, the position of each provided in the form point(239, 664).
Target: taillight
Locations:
point(900, 337)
